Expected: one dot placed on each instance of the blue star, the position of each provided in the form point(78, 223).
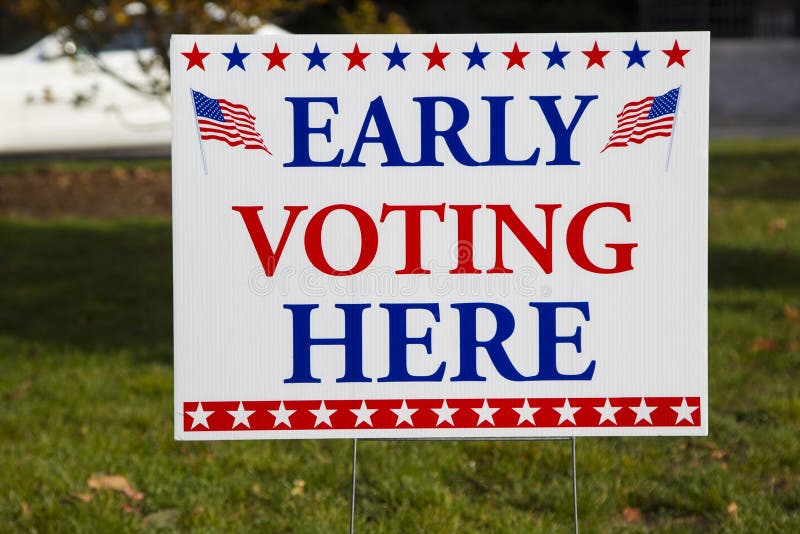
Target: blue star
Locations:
point(555, 56)
point(236, 58)
point(635, 55)
point(476, 57)
point(316, 58)
point(396, 58)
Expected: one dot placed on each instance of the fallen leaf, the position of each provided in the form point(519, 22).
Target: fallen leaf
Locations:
point(733, 511)
point(778, 224)
point(791, 313)
point(198, 510)
point(83, 497)
point(762, 344)
point(719, 454)
point(161, 519)
point(298, 488)
point(631, 515)
point(25, 509)
point(116, 483)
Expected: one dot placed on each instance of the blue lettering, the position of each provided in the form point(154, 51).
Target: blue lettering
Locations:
point(302, 131)
point(399, 340)
point(562, 134)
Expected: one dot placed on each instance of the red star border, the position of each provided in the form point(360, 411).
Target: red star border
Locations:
point(195, 58)
point(276, 57)
point(676, 55)
point(515, 57)
point(356, 58)
point(436, 57)
point(595, 56)
point(388, 414)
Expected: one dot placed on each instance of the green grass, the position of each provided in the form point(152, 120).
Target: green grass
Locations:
point(86, 389)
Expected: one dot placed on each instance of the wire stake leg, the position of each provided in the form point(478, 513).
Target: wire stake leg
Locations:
point(353, 494)
point(574, 487)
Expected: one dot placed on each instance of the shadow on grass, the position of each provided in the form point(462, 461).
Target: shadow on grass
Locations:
point(88, 285)
point(730, 268)
point(756, 176)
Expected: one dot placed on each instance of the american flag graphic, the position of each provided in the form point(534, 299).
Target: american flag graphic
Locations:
point(221, 120)
point(638, 121)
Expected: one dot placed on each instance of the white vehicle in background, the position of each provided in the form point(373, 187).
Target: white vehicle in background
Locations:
point(57, 101)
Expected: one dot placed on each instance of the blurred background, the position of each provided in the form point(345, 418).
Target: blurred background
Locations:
point(91, 76)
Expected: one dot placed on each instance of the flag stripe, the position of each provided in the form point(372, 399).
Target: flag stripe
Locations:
point(231, 123)
point(218, 132)
point(641, 125)
point(634, 124)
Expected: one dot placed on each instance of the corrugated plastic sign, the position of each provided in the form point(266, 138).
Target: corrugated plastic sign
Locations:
point(440, 235)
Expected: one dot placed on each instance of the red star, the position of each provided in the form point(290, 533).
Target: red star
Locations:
point(595, 56)
point(436, 57)
point(515, 57)
point(356, 58)
point(676, 55)
point(276, 57)
point(195, 58)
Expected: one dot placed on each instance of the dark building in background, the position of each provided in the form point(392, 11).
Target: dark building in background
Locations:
point(725, 18)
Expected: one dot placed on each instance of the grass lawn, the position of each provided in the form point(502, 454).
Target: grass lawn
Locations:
point(86, 391)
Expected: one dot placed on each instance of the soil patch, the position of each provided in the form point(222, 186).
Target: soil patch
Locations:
point(103, 193)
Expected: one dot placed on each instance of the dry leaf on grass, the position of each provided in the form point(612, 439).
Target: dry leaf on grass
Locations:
point(763, 344)
point(115, 483)
point(733, 511)
point(25, 508)
point(298, 488)
point(778, 224)
point(631, 515)
point(791, 313)
point(719, 454)
point(83, 497)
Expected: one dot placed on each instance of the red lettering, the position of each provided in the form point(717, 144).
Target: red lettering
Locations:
point(465, 253)
point(577, 249)
point(543, 255)
point(369, 240)
point(413, 233)
point(268, 257)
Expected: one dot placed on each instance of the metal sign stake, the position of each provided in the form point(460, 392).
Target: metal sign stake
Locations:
point(574, 468)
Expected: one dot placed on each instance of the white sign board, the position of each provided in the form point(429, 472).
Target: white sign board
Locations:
point(440, 235)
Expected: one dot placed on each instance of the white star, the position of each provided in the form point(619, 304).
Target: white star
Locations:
point(241, 416)
point(485, 413)
point(363, 414)
point(608, 412)
point(323, 415)
point(404, 414)
point(684, 411)
point(445, 413)
point(643, 412)
point(526, 413)
point(566, 413)
point(199, 416)
point(282, 415)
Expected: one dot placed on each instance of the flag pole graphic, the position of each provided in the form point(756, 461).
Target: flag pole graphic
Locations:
point(197, 126)
point(672, 132)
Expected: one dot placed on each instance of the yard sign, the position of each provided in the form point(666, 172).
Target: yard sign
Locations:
point(440, 235)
